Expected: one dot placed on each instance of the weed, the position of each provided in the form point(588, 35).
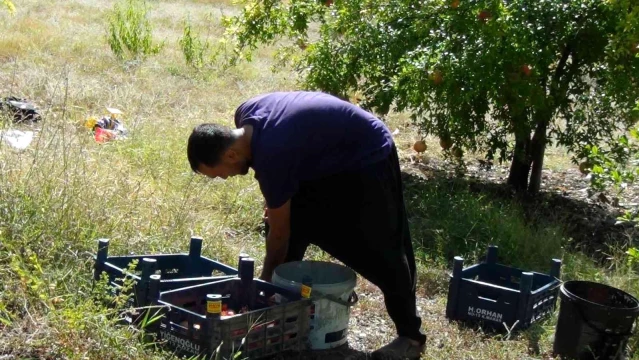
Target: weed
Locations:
point(193, 49)
point(129, 31)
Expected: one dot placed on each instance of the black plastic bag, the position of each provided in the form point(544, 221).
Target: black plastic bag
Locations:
point(20, 109)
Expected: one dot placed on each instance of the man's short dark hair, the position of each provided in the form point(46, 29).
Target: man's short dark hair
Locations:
point(207, 143)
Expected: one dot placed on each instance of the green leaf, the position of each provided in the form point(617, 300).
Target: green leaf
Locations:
point(616, 176)
point(453, 67)
point(623, 140)
point(218, 352)
point(9, 5)
point(146, 321)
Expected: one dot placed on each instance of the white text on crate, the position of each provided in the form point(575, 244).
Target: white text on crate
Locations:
point(485, 314)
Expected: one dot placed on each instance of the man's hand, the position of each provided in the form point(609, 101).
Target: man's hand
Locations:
point(265, 217)
point(279, 221)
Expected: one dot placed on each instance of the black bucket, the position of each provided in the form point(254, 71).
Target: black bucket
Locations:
point(595, 321)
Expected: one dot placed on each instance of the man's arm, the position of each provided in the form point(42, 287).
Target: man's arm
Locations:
point(279, 221)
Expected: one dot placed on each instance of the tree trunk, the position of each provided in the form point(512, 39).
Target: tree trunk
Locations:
point(558, 89)
point(520, 166)
point(538, 149)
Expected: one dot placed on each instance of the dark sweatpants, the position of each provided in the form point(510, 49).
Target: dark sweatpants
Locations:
point(359, 218)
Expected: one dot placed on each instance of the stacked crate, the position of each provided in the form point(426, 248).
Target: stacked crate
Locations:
point(207, 307)
point(176, 270)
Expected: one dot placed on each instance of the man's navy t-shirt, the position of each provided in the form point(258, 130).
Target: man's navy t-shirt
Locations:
point(300, 136)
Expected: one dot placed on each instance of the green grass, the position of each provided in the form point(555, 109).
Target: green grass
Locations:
point(66, 191)
point(448, 220)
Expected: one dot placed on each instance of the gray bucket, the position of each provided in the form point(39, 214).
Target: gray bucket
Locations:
point(333, 295)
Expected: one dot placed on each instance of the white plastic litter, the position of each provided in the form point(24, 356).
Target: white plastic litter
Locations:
point(114, 111)
point(17, 139)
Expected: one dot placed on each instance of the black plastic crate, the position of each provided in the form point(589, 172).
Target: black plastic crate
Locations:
point(267, 328)
point(176, 270)
point(501, 297)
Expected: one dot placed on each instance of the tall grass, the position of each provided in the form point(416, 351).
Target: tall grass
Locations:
point(66, 191)
point(54, 204)
point(448, 220)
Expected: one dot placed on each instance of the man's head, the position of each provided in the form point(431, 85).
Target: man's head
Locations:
point(217, 151)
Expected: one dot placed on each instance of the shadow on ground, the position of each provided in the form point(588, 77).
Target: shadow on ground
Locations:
point(343, 352)
point(591, 228)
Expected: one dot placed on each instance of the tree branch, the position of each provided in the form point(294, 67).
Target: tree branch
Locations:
point(561, 70)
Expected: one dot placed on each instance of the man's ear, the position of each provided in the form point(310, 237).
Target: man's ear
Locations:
point(231, 156)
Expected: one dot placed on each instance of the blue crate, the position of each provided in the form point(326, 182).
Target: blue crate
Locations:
point(176, 270)
point(267, 329)
point(498, 297)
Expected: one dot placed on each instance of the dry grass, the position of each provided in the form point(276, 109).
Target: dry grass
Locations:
point(66, 190)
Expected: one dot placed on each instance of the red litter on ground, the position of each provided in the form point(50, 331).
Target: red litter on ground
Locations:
point(107, 127)
point(103, 135)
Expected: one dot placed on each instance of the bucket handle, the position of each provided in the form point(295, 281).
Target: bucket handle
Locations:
point(352, 299)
